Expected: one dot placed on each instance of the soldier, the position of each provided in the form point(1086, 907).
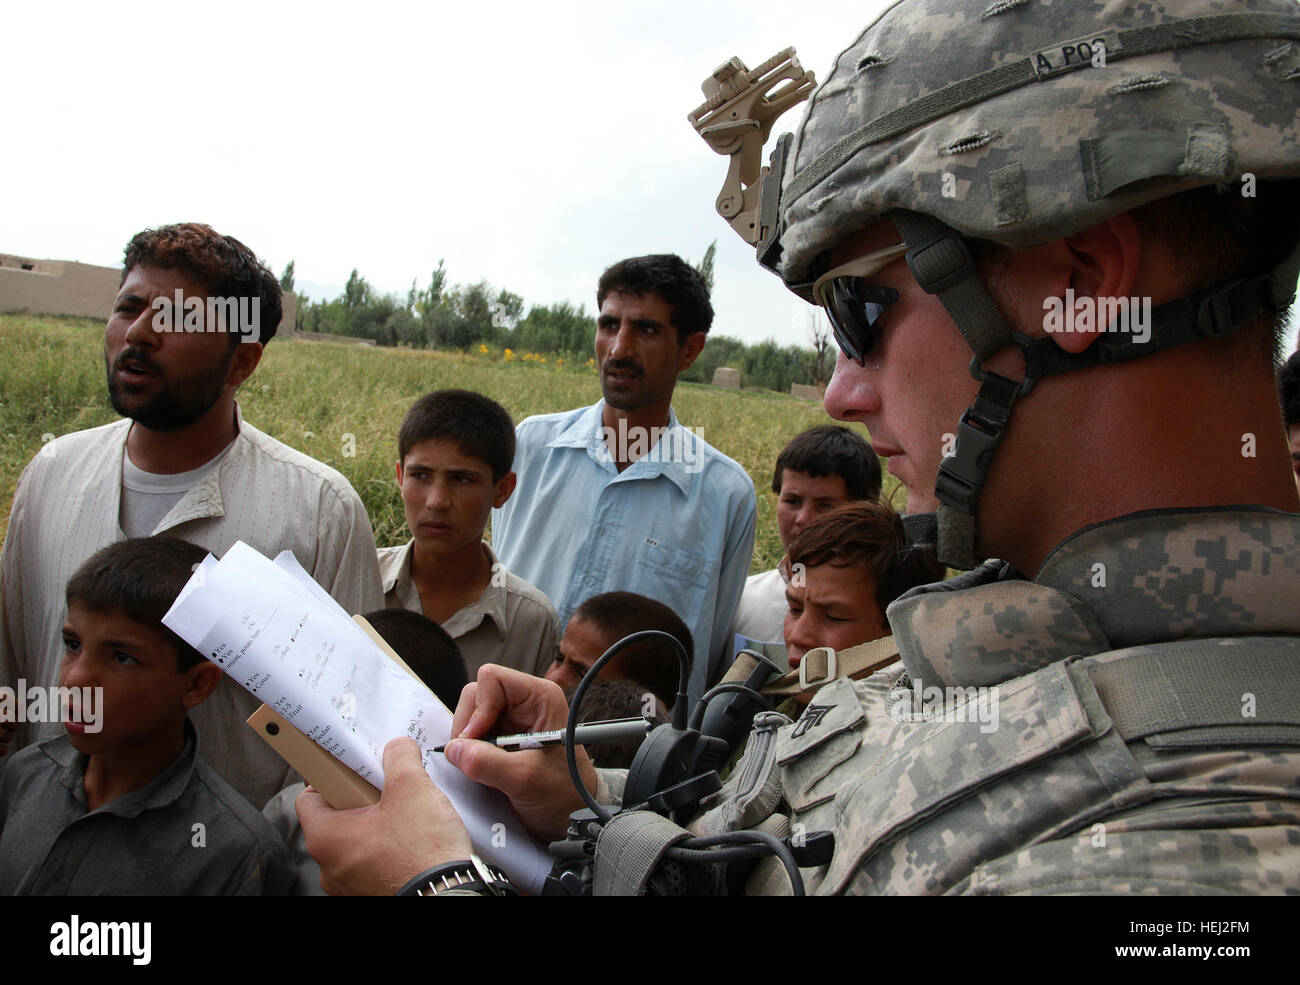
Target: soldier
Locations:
point(1138, 646)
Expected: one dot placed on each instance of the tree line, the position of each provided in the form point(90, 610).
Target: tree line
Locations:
point(464, 317)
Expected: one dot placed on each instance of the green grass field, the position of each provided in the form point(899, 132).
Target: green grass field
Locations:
point(342, 404)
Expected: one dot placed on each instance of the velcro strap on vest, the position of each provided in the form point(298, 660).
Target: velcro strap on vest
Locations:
point(628, 850)
point(1239, 691)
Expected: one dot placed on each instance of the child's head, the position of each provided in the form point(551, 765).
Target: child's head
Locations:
point(820, 469)
point(845, 569)
point(114, 639)
point(603, 620)
point(608, 700)
point(455, 449)
point(426, 648)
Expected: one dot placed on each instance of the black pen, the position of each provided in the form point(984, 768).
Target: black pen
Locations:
point(611, 731)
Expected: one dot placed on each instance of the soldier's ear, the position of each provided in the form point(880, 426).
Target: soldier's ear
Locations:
point(1094, 265)
point(1106, 259)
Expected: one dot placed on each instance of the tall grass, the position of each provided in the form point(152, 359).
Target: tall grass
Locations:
point(342, 404)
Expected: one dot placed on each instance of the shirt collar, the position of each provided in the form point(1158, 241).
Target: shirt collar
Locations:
point(490, 605)
point(676, 448)
point(163, 790)
point(395, 572)
point(395, 569)
point(204, 497)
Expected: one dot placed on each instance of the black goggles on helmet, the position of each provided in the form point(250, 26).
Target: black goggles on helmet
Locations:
point(855, 308)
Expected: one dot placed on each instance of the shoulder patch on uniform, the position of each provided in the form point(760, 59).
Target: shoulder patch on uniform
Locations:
point(813, 716)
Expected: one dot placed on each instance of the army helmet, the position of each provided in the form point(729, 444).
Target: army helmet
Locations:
point(1020, 122)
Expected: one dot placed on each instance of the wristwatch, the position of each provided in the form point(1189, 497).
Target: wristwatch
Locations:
point(472, 874)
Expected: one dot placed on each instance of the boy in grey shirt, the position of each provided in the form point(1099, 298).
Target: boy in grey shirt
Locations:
point(122, 804)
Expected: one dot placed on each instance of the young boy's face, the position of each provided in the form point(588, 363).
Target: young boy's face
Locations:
point(448, 495)
point(144, 696)
point(804, 498)
point(580, 647)
point(831, 606)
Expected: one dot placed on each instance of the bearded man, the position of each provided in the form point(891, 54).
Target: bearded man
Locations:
point(189, 325)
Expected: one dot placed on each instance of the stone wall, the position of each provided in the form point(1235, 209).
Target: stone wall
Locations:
point(65, 287)
point(56, 287)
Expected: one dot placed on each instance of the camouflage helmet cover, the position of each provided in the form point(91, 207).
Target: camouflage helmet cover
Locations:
point(1002, 120)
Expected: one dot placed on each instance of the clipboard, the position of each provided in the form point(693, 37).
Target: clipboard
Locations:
point(341, 787)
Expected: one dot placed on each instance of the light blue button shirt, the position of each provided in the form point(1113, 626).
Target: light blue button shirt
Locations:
point(677, 525)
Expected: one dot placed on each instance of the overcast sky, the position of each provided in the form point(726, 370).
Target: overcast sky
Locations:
point(527, 143)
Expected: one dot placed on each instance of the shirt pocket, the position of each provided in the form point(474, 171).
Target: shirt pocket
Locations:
point(679, 578)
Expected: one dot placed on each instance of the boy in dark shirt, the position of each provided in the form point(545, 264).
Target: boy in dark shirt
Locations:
point(122, 803)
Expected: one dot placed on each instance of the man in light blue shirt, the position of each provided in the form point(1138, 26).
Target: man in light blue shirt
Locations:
point(620, 496)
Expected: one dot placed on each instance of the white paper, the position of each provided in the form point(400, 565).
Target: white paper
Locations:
point(280, 636)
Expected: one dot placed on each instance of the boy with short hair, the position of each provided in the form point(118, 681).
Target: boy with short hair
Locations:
point(610, 700)
point(123, 803)
point(603, 620)
point(455, 451)
point(817, 471)
point(846, 567)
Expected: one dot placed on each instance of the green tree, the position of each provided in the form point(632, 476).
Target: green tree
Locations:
point(504, 312)
point(560, 328)
point(430, 298)
point(719, 350)
point(770, 366)
point(357, 291)
point(819, 333)
point(286, 278)
point(705, 266)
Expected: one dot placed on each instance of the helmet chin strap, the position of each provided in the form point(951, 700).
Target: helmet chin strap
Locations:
point(942, 265)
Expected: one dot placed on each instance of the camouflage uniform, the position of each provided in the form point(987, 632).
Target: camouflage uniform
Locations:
point(1147, 681)
point(1189, 785)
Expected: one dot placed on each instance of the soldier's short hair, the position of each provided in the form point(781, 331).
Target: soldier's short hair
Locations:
point(669, 276)
point(222, 264)
point(1215, 233)
point(832, 449)
point(869, 535)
